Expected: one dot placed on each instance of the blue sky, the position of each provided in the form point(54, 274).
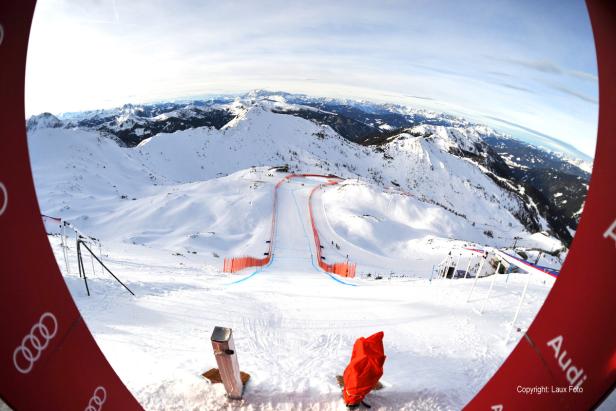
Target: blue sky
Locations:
point(527, 67)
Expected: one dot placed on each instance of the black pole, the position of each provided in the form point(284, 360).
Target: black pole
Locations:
point(77, 248)
point(78, 265)
point(105, 267)
point(85, 279)
point(81, 267)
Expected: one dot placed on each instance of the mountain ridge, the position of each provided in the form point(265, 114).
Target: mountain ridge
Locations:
point(374, 126)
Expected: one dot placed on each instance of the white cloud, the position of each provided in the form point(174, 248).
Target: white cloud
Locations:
point(86, 55)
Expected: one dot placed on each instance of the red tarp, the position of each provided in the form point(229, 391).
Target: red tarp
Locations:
point(365, 368)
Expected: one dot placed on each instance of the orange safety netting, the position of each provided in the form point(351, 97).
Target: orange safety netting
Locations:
point(234, 264)
point(345, 269)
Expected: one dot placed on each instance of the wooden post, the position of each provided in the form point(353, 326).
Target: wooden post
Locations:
point(226, 358)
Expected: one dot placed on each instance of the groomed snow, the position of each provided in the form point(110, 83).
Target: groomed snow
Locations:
point(294, 326)
point(168, 211)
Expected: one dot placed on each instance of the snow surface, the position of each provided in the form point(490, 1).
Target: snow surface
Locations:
point(169, 210)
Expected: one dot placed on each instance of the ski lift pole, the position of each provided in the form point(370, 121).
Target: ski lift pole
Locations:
point(468, 266)
point(82, 269)
point(476, 278)
point(441, 271)
point(100, 251)
point(483, 306)
point(455, 270)
point(92, 262)
point(446, 266)
point(64, 248)
point(79, 265)
point(517, 311)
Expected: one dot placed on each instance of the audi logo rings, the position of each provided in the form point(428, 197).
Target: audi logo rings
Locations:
point(4, 198)
point(33, 344)
point(97, 400)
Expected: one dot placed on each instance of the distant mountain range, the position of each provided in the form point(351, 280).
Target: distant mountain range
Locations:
point(548, 188)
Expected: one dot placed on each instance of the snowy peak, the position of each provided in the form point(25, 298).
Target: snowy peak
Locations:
point(44, 120)
point(332, 135)
point(453, 139)
point(583, 165)
point(466, 142)
point(259, 94)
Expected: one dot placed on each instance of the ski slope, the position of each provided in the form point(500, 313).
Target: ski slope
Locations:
point(168, 212)
point(294, 253)
point(294, 326)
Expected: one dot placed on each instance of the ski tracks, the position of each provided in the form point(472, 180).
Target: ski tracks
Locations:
point(297, 358)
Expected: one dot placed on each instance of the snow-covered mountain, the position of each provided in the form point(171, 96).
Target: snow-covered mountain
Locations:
point(44, 120)
point(543, 190)
point(169, 206)
point(448, 174)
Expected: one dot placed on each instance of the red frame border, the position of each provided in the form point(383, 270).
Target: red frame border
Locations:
point(67, 370)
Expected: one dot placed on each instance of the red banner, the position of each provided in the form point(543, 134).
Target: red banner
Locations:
point(567, 358)
point(48, 358)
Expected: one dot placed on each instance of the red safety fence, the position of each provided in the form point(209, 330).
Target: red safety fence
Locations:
point(345, 269)
point(235, 264)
